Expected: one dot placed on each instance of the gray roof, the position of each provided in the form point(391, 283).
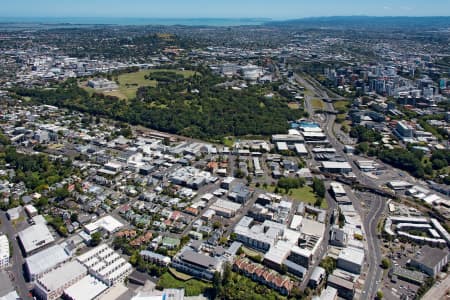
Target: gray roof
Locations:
point(199, 259)
point(35, 237)
point(46, 259)
point(430, 257)
point(337, 281)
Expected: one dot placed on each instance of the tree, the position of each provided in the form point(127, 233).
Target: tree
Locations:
point(319, 187)
point(329, 264)
point(96, 238)
point(385, 263)
point(74, 217)
point(379, 295)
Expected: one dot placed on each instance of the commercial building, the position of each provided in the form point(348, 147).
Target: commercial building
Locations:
point(52, 285)
point(240, 193)
point(108, 224)
point(4, 252)
point(106, 265)
point(87, 288)
point(197, 264)
point(430, 260)
point(35, 237)
point(336, 167)
point(317, 276)
point(44, 261)
point(351, 259)
point(225, 208)
point(404, 130)
point(300, 256)
point(345, 288)
point(330, 293)
point(260, 236)
point(337, 189)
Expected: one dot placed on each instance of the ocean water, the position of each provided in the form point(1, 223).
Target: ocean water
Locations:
point(133, 21)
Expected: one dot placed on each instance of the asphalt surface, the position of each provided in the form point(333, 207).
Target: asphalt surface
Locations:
point(17, 261)
point(370, 221)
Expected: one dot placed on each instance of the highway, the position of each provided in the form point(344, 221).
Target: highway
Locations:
point(17, 260)
point(370, 221)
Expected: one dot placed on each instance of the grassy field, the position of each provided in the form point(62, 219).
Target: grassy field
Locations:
point(179, 275)
point(294, 105)
point(317, 104)
point(304, 194)
point(341, 104)
point(129, 83)
point(192, 287)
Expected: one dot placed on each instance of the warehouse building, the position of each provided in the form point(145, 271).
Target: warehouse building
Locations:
point(87, 288)
point(345, 288)
point(225, 208)
point(108, 224)
point(52, 285)
point(336, 167)
point(430, 260)
point(34, 238)
point(45, 261)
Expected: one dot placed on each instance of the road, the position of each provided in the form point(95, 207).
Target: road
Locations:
point(370, 221)
point(17, 260)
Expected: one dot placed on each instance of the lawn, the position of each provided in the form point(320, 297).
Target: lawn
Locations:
point(192, 287)
point(317, 104)
point(341, 104)
point(304, 194)
point(129, 83)
point(294, 105)
point(229, 141)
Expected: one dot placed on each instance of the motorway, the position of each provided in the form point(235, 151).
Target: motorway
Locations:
point(370, 221)
point(17, 260)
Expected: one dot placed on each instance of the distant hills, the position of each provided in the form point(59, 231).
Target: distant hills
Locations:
point(366, 22)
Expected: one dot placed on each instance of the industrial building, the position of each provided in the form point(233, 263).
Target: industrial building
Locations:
point(336, 167)
point(52, 285)
point(260, 236)
point(430, 260)
point(351, 259)
point(108, 224)
point(225, 208)
point(45, 261)
point(87, 288)
point(34, 238)
point(345, 288)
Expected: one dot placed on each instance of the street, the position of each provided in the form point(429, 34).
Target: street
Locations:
point(17, 260)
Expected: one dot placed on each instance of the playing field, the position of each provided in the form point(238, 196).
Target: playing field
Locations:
point(129, 83)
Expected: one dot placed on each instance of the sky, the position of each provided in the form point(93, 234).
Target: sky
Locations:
point(275, 9)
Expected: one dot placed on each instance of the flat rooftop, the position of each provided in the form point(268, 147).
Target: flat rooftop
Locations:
point(35, 237)
point(87, 288)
